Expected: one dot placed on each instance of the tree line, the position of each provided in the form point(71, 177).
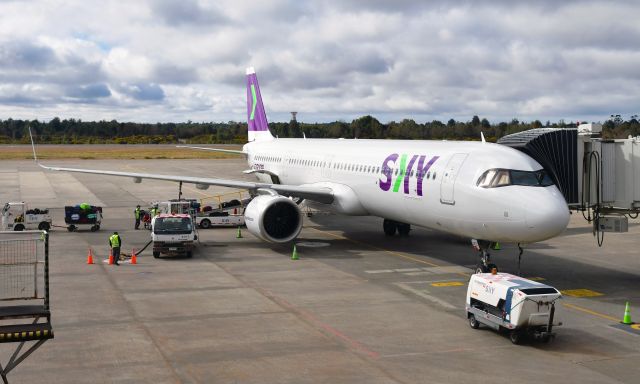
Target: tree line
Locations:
point(73, 131)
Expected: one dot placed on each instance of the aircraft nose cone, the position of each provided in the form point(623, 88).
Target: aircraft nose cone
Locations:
point(549, 216)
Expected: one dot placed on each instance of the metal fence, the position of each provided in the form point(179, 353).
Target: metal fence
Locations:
point(24, 264)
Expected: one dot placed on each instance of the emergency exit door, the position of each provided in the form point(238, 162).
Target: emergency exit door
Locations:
point(447, 185)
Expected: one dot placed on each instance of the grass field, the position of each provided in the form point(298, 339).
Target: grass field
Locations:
point(87, 151)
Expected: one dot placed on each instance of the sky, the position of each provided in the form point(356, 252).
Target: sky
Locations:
point(181, 60)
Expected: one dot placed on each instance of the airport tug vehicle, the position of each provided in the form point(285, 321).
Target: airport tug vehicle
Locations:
point(511, 303)
point(18, 217)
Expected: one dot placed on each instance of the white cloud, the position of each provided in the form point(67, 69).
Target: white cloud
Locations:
point(178, 60)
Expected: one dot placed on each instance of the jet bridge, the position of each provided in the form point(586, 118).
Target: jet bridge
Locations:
point(24, 293)
point(599, 177)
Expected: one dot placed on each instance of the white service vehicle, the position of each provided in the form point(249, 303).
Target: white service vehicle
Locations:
point(228, 214)
point(219, 219)
point(16, 216)
point(173, 234)
point(506, 302)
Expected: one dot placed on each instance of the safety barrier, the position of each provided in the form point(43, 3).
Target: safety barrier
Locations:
point(24, 293)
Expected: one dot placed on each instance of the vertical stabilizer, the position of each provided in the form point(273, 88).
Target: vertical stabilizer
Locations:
point(256, 116)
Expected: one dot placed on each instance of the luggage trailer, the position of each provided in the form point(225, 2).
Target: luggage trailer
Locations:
point(506, 302)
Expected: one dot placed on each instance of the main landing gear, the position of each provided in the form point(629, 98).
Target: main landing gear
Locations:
point(484, 263)
point(390, 228)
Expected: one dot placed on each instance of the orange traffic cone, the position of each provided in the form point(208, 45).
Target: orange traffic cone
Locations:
point(134, 258)
point(110, 257)
point(90, 257)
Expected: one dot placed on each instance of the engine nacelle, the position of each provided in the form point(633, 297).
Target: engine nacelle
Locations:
point(273, 218)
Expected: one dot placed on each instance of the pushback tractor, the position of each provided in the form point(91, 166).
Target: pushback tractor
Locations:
point(505, 302)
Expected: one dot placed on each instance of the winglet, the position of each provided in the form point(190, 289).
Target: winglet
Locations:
point(482, 137)
point(33, 146)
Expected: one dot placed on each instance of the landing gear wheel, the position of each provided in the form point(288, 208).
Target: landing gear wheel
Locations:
point(44, 226)
point(156, 254)
point(389, 227)
point(205, 223)
point(484, 264)
point(473, 322)
point(403, 229)
point(18, 228)
point(515, 337)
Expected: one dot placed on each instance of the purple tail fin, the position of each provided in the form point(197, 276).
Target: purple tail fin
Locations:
point(256, 116)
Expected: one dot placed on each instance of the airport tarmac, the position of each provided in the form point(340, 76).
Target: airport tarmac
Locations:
point(358, 307)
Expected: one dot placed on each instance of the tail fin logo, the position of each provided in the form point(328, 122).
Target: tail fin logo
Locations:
point(258, 127)
point(254, 102)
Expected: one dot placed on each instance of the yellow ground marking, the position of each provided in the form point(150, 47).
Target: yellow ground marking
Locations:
point(448, 284)
point(581, 293)
point(636, 326)
point(393, 253)
point(594, 313)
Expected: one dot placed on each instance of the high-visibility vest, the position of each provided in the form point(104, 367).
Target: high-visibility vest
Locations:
point(137, 211)
point(115, 241)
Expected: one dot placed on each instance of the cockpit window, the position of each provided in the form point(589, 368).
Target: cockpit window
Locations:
point(502, 177)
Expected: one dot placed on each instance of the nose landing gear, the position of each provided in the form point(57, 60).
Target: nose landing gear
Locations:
point(484, 263)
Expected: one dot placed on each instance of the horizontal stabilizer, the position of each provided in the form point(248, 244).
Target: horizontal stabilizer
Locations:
point(235, 152)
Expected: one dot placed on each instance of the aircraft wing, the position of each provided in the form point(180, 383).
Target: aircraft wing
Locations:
point(319, 194)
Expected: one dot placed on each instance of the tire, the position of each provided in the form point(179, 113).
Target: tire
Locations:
point(156, 254)
point(44, 226)
point(515, 337)
point(94, 228)
point(71, 228)
point(189, 254)
point(18, 228)
point(403, 229)
point(473, 322)
point(389, 227)
point(205, 223)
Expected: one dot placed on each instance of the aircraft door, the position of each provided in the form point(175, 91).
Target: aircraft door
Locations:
point(449, 178)
point(327, 164)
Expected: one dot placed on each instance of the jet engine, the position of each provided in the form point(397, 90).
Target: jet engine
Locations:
point(273, 218)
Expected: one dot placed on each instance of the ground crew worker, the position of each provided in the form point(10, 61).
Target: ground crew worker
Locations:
point(138, 214)
point(115, 242)
point(154, 211)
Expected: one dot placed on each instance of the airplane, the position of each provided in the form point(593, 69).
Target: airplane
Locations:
point(477, 190)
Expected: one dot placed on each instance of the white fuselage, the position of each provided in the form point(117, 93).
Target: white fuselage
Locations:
point(367, 179)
